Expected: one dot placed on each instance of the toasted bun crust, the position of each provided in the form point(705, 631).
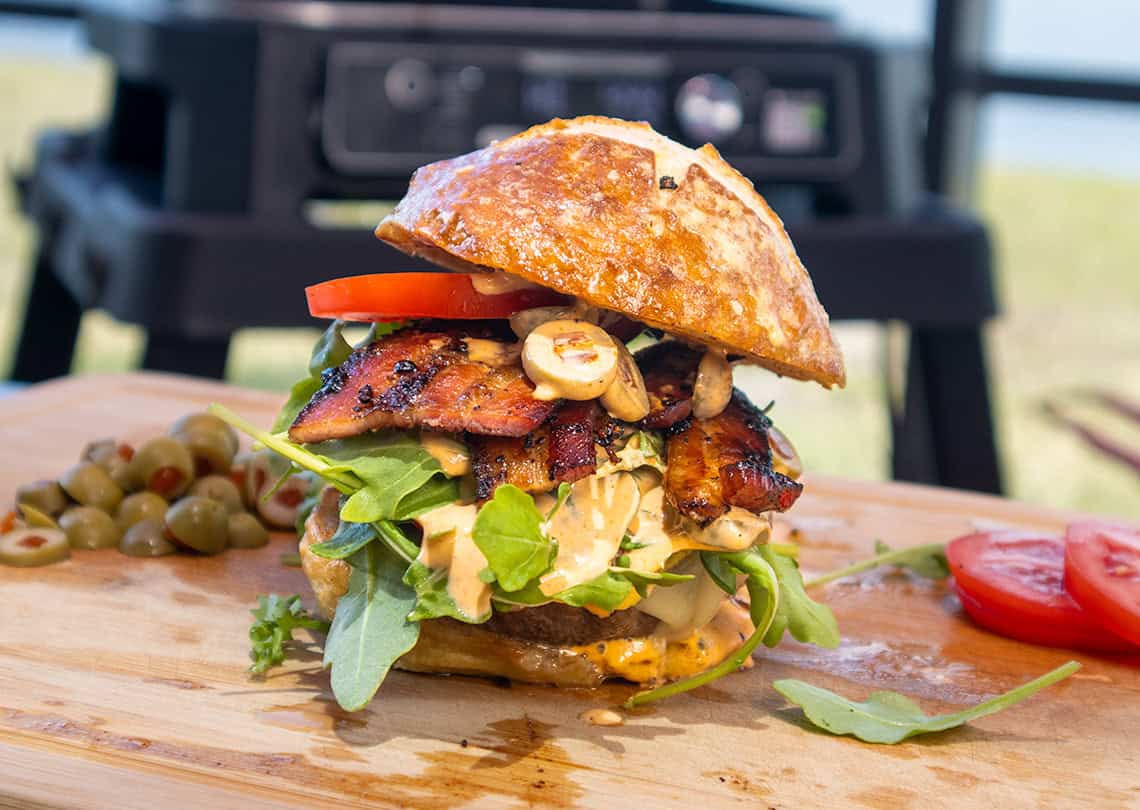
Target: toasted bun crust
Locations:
point(451, 647)
point(627, 219)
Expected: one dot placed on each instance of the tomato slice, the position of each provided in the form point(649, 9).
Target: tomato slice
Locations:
point(1102, 572)
point(397, 296)
point(1011, 582)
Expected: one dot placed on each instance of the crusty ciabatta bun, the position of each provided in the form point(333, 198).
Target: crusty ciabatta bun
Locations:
point(626, 219)
point(552, 644)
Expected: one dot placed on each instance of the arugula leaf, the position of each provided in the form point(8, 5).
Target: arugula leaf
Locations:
point(927, 561)
point(508, 530)
point(275, 619)
point(432, 598)
point(641, 580)
point(330, 351)
point(765, 590)
point(807, 620)
point(718, 568)
point(605, 591)
point(348, 539)
point(888, 717)
point(560, 498)
point(371, 629)
point(439, 490)
point(629, 544)
point(390, 470)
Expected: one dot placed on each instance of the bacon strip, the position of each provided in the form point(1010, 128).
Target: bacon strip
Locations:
point(725, 461)
point(560, 451)
point(420, 378)
point(669, 368)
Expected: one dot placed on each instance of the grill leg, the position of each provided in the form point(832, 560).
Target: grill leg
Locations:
point(51, 325)
point(946, 433)
point(202, 357)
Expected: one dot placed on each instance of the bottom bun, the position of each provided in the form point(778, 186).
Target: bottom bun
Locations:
point(453, 647)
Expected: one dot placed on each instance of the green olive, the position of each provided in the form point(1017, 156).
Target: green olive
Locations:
point(195, 422)
point(26, 548)
point(212, 451)
point(114, 457)
point(35, 518)
point(90, 485)
point(261, 473)
point(198, 523)
point(90, 528)
point(47, 496)
point(239, 473)
point(99, 450)
point(138, 507)
point(163, 465)
point(280, 509)
point(246, 531)
point(147, 538)
point(219, 488)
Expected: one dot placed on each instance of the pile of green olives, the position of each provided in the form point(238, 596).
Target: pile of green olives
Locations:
point(190, 490)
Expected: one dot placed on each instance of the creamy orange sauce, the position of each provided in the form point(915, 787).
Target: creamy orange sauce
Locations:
point(589, 527)
point(448, 544)
point(453, 456)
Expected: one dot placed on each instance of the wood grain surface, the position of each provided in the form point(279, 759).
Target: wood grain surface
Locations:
point(123, 682)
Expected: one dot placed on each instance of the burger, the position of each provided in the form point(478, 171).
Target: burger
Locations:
point(537, 464)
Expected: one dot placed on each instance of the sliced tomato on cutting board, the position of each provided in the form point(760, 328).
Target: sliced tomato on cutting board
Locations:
point(1102, 572)
point(1012, 582)
point(399, 296)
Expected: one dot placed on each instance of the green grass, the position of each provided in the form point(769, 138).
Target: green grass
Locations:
point(1069, 253)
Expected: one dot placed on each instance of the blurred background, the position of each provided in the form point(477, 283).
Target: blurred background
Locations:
point(846, 113)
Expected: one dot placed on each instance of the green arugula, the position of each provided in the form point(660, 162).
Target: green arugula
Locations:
point(348, 539)
point(275, 619)
point(888, 717)
point(392, 471)
point(390, 479)
point(432, 599)
point(371, 629)
point(807, 620)
point(720, 571)
point(508, 530)
point(641, 580)
point(605, 591)
point(765, 590)
point(927, 561)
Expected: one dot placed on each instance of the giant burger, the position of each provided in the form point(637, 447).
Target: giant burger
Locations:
point(538, 466)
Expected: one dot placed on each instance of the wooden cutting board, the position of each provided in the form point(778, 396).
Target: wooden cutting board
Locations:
point(123, 682)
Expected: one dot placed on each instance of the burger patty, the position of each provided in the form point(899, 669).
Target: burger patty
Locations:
point(566, 626)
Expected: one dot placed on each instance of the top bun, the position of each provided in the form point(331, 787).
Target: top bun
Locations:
point(624, 218)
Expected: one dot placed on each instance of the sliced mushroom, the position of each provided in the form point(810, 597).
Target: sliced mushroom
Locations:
point(626, 398)
point(569, 359)
point(785, 459)
point(526, 321)
point(713, 387)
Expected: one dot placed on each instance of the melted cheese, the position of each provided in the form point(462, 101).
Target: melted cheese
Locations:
point(686, 606)
point(656, 658)
point(448, 544)
point(588, 528)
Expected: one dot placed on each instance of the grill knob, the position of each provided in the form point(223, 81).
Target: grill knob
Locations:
point(709, 108)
